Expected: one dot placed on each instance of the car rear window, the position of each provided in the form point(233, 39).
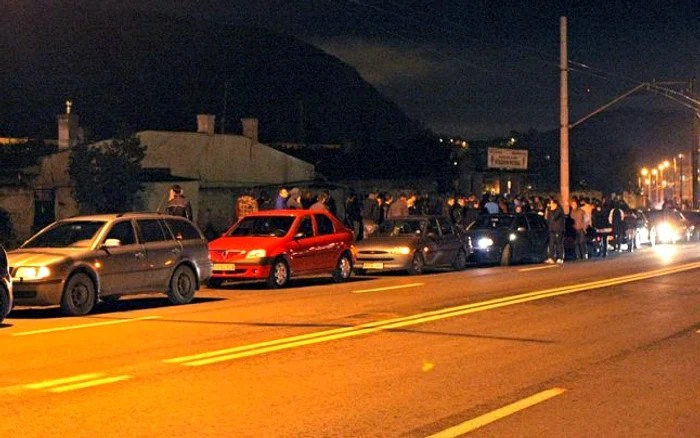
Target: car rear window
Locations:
point(183, 230)
point(150, 230)
point(324, 224)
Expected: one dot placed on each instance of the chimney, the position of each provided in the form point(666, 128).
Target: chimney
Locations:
point(250, 129)
point(205, 123)
point(69, 132)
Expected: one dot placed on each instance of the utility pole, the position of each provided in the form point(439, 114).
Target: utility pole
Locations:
point(564, 115)
point(694, 145)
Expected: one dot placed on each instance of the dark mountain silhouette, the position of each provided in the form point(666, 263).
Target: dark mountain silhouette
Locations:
point(153, 72)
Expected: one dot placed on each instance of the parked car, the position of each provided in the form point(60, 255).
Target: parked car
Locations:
point(693, 216)
point(669, 226)
point(280, 244)
point(508, 238)
point(5, 285)
point(74, 262)
point(412, 244)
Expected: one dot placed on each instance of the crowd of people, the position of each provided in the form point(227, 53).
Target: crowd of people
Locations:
point(365, 213)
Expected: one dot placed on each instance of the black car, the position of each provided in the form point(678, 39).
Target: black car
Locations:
point(669, 226)
point(5, 286)
point(508, 238)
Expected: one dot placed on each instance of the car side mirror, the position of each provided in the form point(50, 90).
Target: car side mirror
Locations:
point(111, 243)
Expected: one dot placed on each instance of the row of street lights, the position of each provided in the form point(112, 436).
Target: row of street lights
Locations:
point(656, 188)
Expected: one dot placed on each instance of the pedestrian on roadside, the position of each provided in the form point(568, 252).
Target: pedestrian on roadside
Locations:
point(370, 214)
point(320, 204)
point(246, 204)
point(178, 205)
point(398, 208)
point(281, 199)
point(556, 223)
point(294, 201)
point(578, 216)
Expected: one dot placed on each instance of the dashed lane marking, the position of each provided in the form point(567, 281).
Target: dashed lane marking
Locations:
point(498, 414)
point(82, 326)
point(379, 289)
point(75, 382)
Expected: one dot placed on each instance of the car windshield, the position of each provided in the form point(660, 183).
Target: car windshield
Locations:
point(263, 226)
point(401, 227)
point(74, 234)
point(490, 222)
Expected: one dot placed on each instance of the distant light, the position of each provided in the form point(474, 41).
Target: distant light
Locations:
point(455, 163)
point(441, 140)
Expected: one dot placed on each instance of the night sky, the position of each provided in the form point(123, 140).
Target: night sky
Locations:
point(480, 68)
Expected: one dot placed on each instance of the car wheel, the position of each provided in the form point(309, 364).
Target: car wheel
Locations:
point(460, 262)
point(417, 264)
point(4, 303)
point(183, 285)
point(214, 283)
point(343, 270)
point(652, 237)
point(79, 296)
point(506, 255)
point(279, 274)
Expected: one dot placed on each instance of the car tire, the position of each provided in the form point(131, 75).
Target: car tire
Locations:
point(279, 274)
point(417, 264)
point(506, 255)
point(343, 269)
point(460, 262)
point(79, 296)
point(4, 303)
point(214, 283)
point(183, 285)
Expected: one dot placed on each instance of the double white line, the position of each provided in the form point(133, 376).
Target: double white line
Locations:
point(395, 323)
point(76, 382)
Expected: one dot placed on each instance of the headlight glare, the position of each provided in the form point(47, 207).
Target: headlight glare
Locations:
point(404, 250)
point(256, 254)
point(32, 272)
point(484, 242)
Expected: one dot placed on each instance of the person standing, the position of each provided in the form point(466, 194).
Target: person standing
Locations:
point(556, 222)
point(370, 214)
point(578, 215)
point(330, 203)
point(616, 218)
point(178, 205)
point(320, 204)
point(294, 201)
point(398, 208)
point(246, 204)
point(353, 215)
point(281, 199)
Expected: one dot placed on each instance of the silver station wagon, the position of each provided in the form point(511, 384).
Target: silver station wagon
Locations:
point(75, 262)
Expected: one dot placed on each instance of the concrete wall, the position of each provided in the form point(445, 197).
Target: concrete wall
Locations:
point(19, 203)
point(222, 160)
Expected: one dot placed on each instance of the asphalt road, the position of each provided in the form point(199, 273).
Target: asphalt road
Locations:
point(605, 347)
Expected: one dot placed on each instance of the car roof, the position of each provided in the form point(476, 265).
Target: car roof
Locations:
point(111, 216)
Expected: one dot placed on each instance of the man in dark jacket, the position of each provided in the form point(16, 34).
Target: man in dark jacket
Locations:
point(370, 214)
point(555, 221)
point(178, 205)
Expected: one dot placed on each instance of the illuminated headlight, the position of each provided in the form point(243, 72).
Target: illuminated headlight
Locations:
point(400, 250)
point(32, 273)
point(484, 242)
point(512, 237)
point(665, 232)
point(256, 254)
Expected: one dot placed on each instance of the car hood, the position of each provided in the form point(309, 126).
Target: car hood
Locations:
point(386, 242)
point(38, 256)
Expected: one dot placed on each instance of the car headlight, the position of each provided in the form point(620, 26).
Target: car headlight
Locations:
point(404, 250)
point(484, 242)
point(256, 254)
point(665, 232)
point(32, 272)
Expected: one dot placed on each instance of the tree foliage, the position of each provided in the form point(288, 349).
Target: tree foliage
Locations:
point(106, 176)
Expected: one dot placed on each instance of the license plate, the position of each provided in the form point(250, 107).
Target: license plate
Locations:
point(373, 266)
point(224, 267)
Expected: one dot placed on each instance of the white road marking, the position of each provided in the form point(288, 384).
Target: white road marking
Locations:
point(90, 384)
point(379, 289)
point(498, 414)
point(58, 382)
point(537, 268)
point(76, 327)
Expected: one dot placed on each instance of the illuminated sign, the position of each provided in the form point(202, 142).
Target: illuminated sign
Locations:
point(507, 158)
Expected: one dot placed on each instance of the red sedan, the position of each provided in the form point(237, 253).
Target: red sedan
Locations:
point(279, 244)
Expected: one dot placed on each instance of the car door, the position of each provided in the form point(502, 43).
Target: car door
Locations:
point(521, 239)
point(539, 234)
point(327, 247)
point(122, 261)
point(431, 241)
point(162, 253)
point(301, 252)
point(449, 243)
